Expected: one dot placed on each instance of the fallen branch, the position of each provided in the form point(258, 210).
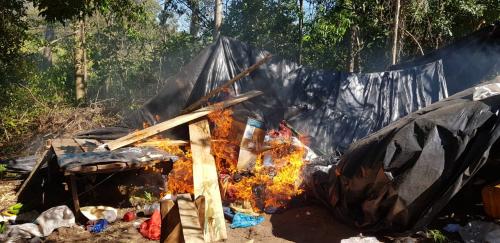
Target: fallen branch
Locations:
point(416, 41)
point(176, 121)
point(214, 92)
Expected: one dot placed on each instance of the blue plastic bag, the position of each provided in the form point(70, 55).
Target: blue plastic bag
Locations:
point(99, 226)
point(241, 220)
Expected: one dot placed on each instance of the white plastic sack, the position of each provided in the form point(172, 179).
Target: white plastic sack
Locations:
point(53, 218)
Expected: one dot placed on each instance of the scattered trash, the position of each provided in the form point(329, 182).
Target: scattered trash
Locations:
point(480, 231)
point(27, 217)
point(491, 200)
point(360, 239)
point(228, 213)
point(10, 213)
point(20, 231)
point(241, 220)
point(149, 209)
point(53, 218)
point(48, 221)
point(94, 213)
point(452, 228)
point(97, 226)
point(245, 207)
point(12, 210)
point(151, 228)
point(129, 216)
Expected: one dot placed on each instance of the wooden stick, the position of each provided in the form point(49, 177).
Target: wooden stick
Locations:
point(162, 142)
point(217, 90)
point(47, 154)
point(182, 119)
point(206, 181)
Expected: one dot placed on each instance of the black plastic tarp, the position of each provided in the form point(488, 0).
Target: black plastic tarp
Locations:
point(400, 177)
point(334, 108)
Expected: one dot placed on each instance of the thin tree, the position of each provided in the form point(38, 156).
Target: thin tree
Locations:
point(80, 61)
point(395, 33)
point(217, 18)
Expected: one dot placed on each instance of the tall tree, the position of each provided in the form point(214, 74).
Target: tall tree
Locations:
point(395, 32)
point(301, 29)
point(217, 18)
point(194, 26)
point(80, 61)
point(77, 11)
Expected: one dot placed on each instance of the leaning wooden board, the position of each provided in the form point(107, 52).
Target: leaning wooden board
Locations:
point(190, 224)
point(176, 121)
point(205, 180)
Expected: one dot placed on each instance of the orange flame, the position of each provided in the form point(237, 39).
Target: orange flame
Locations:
point(268, 185)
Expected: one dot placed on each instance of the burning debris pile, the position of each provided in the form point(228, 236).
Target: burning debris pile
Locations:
point(269, 180)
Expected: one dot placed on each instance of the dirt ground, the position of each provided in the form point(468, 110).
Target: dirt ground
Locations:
point(301, 224)
point(304, 224)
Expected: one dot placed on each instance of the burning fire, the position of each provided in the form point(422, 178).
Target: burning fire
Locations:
point(273, 182)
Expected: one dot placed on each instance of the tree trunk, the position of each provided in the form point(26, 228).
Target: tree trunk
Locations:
point(194, 26)
point(395, 33)
point(80, 62)
point(47, 50)
point(301, 24)
point(354, 45)
point(217, 18)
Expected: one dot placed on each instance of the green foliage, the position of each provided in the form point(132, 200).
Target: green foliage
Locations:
point(437, 236)
point(64, 10)
point(12, 30)
point(2, 170)
point(133, 46)
point(265, 24)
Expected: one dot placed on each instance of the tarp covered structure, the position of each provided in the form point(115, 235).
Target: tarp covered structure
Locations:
point(400, 177)
point(334, 108)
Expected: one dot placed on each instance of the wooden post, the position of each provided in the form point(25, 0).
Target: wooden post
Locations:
point(206, 181)
point(46, 156)
point(74, 194)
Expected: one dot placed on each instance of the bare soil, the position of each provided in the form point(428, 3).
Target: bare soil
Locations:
point(304, 224)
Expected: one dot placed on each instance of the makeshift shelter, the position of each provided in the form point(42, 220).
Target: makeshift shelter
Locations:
point(333, 108)
point(401, 177)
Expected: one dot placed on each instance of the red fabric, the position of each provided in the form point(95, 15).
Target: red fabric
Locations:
point(151, 228)
point(129, 216)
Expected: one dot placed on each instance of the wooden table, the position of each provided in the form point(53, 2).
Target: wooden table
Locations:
point(67, 146)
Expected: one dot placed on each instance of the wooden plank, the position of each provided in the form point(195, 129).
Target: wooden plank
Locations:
point(171, 231)
point(203, 100)
point(206, 182)
point(161, 142)
point(65, 146)
point(182, 119)
point(190, 223)
point(46, 156)
point(87, 145)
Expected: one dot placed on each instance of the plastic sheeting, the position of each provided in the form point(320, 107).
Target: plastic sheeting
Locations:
point(334, 108)
point(400, 177)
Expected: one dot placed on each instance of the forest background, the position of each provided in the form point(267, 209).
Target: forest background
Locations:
point(60, 59)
